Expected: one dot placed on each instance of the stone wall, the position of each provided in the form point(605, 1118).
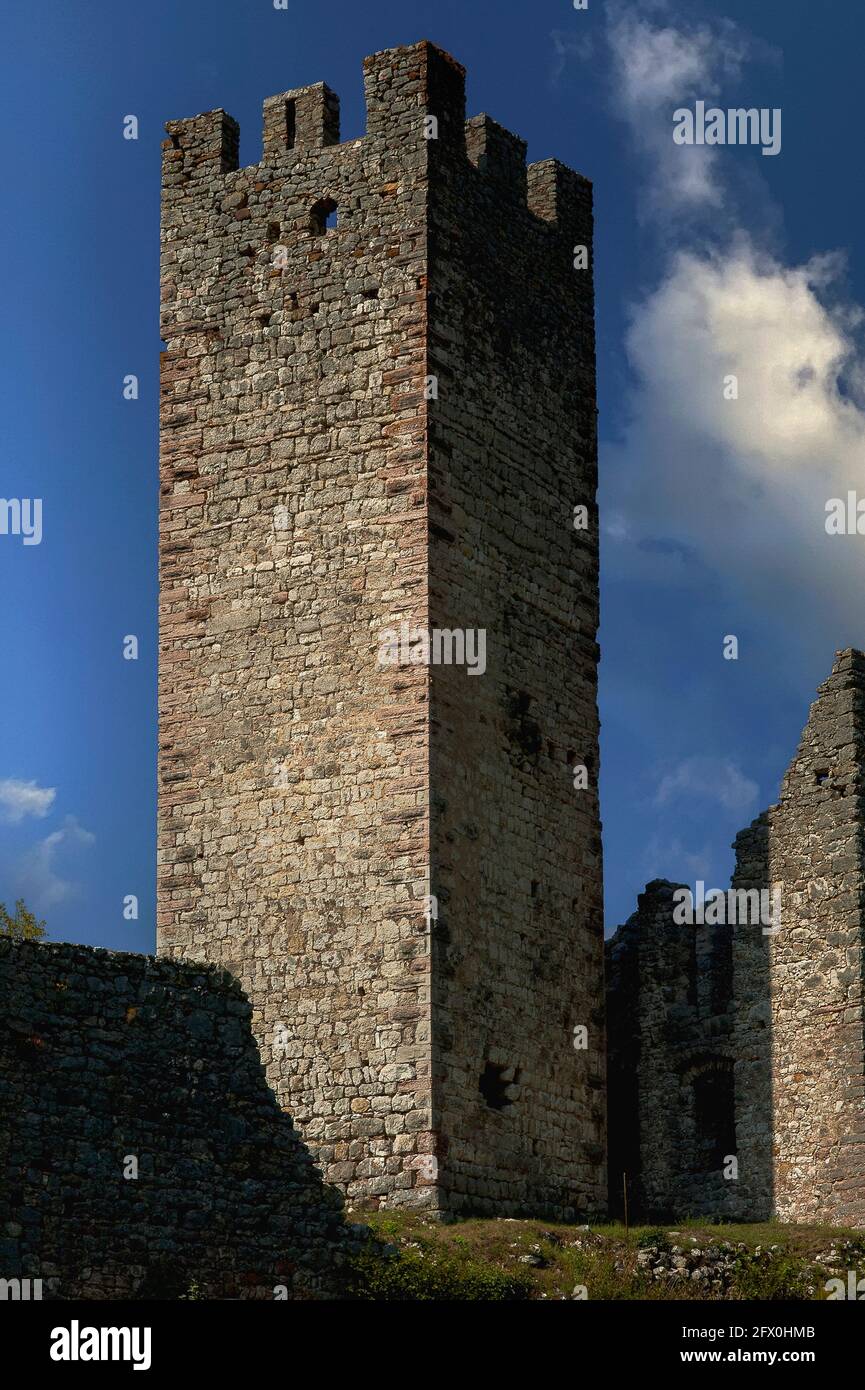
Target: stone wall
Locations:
point(387, 421)
point(112, 1064)
point(293, 798)
point(516, 851)
point(752, 1010)
point(791, 1032)
point(815, 836)
point(670, 1063)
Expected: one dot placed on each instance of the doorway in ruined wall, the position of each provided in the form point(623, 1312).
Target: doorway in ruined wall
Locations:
point(709, 1097)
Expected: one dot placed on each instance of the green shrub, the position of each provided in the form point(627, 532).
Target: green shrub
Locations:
point(655, 1238)
point(431, 1274)
point(772, 1275)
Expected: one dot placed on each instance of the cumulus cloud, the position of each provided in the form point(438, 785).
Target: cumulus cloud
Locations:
point(747, 408)
point(658, 66)
point(743, 415)
point(43, 872)
point(743, 483)
point(19, 799)
point(709, 779)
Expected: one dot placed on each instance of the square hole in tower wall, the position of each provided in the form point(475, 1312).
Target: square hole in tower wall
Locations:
point(498, 1086)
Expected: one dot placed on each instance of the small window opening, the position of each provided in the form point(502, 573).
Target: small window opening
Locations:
point(821, 776)
point(273, 231)
point(498, 1086)
point(290, 124)
point(323, 217)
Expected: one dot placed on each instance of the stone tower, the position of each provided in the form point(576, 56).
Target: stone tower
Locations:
point(378, 417)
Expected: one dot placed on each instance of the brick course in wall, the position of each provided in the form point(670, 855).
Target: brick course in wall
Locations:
point(108, 1057)
point(383, 421)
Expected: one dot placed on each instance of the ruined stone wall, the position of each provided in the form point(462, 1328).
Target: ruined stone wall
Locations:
point(815, 855)
point(107, 1058)
point(752, 1007)
point(793, 1028)
point(670, 1062)
point(314, 496)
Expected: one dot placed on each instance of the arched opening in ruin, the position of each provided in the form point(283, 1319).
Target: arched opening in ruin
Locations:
point(323, 217)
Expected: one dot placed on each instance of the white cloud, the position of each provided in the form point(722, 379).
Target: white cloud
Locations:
point(42, 873)
point(708, 779)
point(743, 484)
point(699, 484)
point(657, 67)
point(19, 799)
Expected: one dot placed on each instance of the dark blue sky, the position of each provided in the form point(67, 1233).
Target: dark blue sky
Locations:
point(710, 520)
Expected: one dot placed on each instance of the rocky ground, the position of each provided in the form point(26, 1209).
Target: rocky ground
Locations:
point(418, 1259)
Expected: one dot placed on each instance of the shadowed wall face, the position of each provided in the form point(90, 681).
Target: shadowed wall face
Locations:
point(388, 421)
point(670, 1063)
point(515, 849)
point(142, 1153)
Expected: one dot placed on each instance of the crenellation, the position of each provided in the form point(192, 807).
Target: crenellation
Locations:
point(197, 149)
point(301, 120)
point(498, 155)
point(561, 196)
point(404, 85)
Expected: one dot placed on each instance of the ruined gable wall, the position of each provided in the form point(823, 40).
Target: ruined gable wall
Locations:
point(794, 1031)
point(815, 856)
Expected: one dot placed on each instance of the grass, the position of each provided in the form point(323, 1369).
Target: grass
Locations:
point(413, 1258)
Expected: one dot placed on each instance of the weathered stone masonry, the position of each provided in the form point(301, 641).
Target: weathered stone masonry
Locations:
point(108, 1057)
point(774, 1018)
point(317, 490)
